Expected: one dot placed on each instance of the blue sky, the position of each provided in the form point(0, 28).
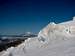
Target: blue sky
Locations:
point(19, 16)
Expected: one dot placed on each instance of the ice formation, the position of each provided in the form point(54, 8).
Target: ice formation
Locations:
point(53, 40)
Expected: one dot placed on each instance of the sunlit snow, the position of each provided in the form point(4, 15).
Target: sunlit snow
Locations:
point(52, 40)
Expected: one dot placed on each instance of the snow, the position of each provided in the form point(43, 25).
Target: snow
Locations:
point(52, 40)
point(74, 18)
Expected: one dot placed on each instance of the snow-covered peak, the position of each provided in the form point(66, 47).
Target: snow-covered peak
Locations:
point(26, 34)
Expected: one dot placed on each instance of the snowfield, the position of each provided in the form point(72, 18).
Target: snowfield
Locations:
point(52, 40)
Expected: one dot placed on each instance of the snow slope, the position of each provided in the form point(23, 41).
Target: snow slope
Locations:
point(53, 40)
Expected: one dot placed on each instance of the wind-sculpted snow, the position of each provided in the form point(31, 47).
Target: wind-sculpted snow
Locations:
point(66, 48)
point(53, 40)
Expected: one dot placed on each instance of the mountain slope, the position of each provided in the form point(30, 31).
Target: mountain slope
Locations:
point(53, 40)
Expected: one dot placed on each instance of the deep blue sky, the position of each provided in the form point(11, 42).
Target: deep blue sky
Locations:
point(19, 16)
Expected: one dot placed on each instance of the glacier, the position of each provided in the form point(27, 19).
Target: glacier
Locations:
point(53, 40)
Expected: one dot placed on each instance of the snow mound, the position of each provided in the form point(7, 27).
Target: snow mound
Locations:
point(57, 32)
